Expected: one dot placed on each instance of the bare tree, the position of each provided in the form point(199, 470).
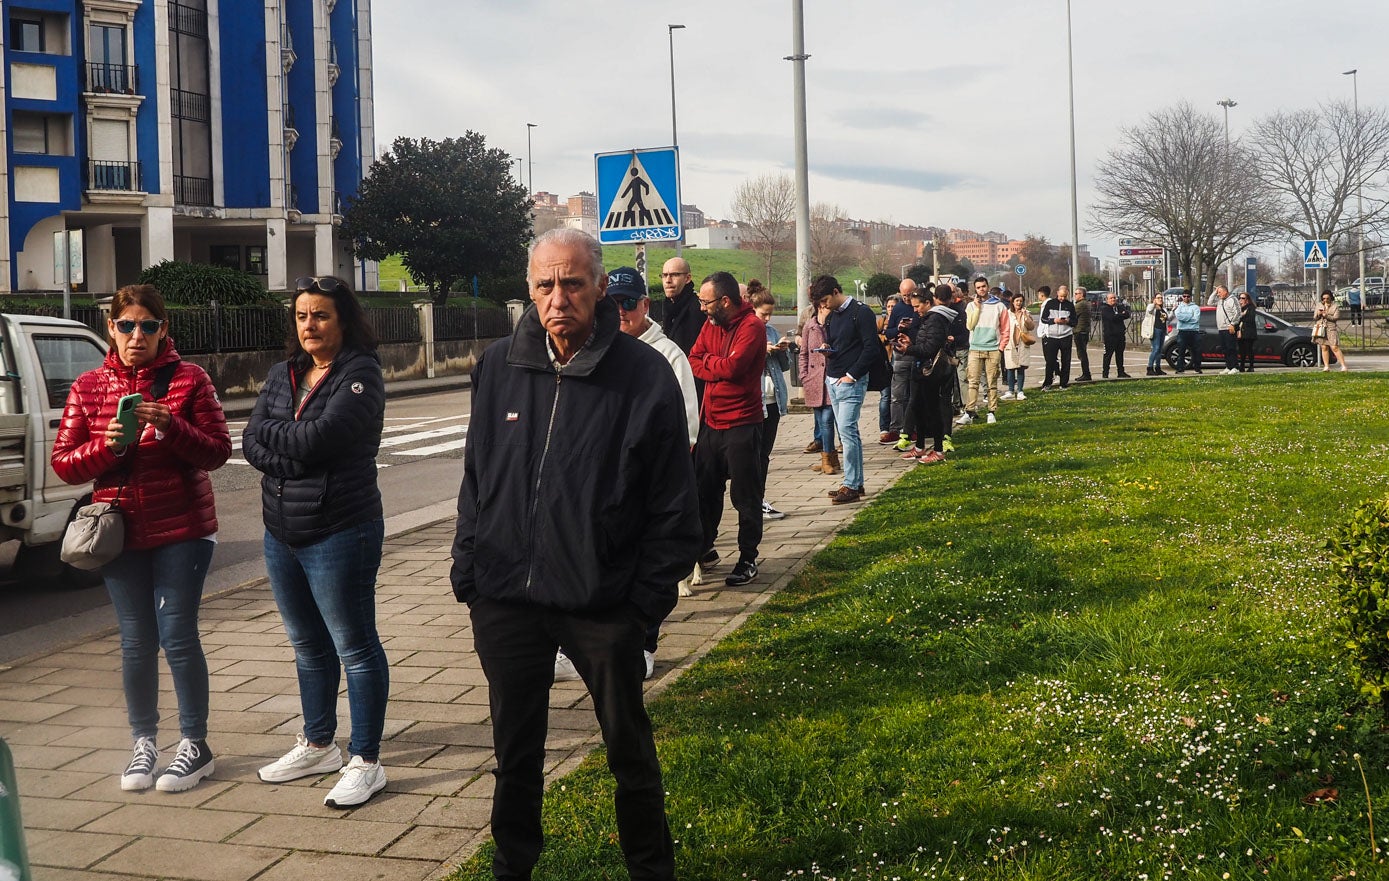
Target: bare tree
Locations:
point(765, 207)
point(1316, 161)
point(1173, 181)
point(832, 247)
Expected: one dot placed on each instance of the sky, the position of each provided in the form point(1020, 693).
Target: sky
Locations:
point(924, 112)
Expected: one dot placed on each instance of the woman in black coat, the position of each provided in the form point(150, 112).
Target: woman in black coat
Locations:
point(929, 406)
point(1248, 331)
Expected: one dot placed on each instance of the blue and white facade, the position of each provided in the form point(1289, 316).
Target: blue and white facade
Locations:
point(214, 131)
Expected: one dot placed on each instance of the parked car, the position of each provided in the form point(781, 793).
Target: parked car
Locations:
point(1371, 281)
point(1263, 295)
point(1279, 342)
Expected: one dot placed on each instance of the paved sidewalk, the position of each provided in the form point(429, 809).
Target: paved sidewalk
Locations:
point(64, 717)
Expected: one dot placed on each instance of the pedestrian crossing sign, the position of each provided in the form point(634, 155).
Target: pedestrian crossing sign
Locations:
point(639, 195)
point(1315, 254)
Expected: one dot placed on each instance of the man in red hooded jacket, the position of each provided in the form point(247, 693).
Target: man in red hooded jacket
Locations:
point(729, 357)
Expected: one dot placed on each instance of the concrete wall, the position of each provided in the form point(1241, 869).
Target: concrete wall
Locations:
point(240, 374)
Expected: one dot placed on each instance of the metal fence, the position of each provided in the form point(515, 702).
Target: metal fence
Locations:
point(394, 324)
point(470, 323)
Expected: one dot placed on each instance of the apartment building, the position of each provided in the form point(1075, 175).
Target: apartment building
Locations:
point(218, 131)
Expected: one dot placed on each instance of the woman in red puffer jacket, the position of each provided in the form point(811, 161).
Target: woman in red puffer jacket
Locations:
point(160, 483)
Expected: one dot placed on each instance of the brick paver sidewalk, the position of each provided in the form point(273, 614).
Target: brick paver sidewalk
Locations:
point(64, 717)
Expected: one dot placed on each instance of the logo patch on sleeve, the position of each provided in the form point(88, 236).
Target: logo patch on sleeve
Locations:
point(357, 388)
point(512, 416)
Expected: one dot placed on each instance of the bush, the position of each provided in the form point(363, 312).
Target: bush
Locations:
point(1359, 551)
point(881, 285)
point(198, 284)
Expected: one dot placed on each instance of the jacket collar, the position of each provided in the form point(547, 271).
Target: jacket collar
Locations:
point(167, 355)
point(528, 349)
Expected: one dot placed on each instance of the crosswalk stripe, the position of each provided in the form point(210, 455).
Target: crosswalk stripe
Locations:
point(436, 448)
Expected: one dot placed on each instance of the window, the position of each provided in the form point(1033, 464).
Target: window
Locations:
point(30, 133)
point(26, 34)
point(61, 360)
point(106, 59)
point(226, 255)
point(255, 259)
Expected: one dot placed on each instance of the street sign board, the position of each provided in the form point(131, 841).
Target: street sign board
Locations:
point(1144, 251)
point(1020, 269)
point(1316, 254)
point(638, 195)
point(1140, 261)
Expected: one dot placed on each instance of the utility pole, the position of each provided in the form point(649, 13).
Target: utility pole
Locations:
point(674, 142)
point(530, 168)
point(1230, 267)
point(1359, 184)
point(1075, 211)
point(798, 59)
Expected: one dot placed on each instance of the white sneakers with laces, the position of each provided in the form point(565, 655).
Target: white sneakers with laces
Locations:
point(360, 780)
point(305, 760)
point(139, 774)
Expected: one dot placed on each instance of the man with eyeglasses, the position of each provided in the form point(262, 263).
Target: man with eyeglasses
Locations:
point(576, 518)
point(683, 316)
point(730, 356)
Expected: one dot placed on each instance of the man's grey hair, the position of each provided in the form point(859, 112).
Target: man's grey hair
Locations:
point(575, 238)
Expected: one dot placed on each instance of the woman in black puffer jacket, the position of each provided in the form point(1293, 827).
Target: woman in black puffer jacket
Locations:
point(930, 406)
point(314, 433)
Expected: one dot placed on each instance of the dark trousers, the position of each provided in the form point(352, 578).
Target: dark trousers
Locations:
point(1189, 350)
point(769, 427)
point(516, 644)
point(1230, 348)
point(902, 368)
point(1246, 354)
point(1057, 353)
point(929, 410)
point(1114, 346)
point(1082, 354)
point(731, 455)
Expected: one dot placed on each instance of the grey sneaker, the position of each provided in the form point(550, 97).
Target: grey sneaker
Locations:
point(139, 774)
point(360, 780)
point(191, 764)
point(305, 760)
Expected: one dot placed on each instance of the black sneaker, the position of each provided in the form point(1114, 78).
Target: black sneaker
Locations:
point(745, 571)
point(710, 559)
point(139, 774)
point(191, 764)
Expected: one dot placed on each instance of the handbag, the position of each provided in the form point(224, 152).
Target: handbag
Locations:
point(95, 537)
point(1146, 330)
point(1319, 329)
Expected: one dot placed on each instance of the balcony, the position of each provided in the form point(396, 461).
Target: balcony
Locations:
point(112, 79)
point(192, 190)
point(291, 132)
point(334, 138)
point(191, 106)
point(333, 70)
point(113, 182)
point(287, 56)
point(187, 20)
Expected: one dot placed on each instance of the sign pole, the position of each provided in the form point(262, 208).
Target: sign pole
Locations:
point(641, 262)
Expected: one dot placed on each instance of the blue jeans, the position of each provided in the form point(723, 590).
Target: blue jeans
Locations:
point(1016, 377)
point(847, 400)
point(884, 409)
point(156, 594)
point(326, 592)
point(1155, 354)
point(824, 427)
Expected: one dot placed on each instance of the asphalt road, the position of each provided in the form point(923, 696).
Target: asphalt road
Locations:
point(420, 468)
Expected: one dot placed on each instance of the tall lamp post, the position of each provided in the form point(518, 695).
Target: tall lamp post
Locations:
point(798, 58)
point(1227, 104)
point(1075, 212)
point(674, 142)
point(1359, 185)
point(530, 168)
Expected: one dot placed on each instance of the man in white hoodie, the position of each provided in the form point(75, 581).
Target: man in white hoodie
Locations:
point(983, 316)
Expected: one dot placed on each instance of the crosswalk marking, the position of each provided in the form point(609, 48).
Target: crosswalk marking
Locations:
point(400, 431)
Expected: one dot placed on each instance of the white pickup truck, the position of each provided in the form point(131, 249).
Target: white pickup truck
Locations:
point(39, 359)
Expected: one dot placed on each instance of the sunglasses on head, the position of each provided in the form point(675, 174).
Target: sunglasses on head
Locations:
point(324, 284)
point(148, 326)
point(627, 303)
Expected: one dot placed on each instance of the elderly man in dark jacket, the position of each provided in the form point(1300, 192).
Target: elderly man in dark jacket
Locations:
point(576, 518)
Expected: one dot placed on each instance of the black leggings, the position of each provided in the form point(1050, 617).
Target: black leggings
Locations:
point(1246, 354)
point(930, 409)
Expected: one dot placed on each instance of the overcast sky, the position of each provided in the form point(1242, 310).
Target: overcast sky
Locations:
point(930, 112)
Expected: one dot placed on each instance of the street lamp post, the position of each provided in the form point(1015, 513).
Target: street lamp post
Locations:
point(1227, 104)
point(798, 58)
point(1075, 213)
point(1359, 185)
point(530, 168)
point(674, 142)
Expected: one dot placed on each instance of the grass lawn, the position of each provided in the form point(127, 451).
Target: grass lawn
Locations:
point(1097, 644)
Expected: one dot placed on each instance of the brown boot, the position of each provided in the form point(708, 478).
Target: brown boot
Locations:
point(813, 447)
point(823, 466)
point(832, 462)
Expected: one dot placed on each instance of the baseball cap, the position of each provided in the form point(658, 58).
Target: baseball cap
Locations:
point(624, 281)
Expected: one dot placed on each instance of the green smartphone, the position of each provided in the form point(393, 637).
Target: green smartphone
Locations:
point(125, 412)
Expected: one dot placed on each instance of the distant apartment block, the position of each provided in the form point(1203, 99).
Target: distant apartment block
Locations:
point(691, 217)
point(721, 237)
point(217, 131)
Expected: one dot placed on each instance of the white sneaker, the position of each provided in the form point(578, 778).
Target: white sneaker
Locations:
point(965, 419)
point(139, 774)
point(564, 669)
point(650, 663)
point(305, 760)
point(1006, 396)
point(1020, 397)
point(992, 419)
point(360, 780)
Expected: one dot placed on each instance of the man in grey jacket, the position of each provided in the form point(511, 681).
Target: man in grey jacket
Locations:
point(1226, 320)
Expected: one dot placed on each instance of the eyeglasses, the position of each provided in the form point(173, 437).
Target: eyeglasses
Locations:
point(1243, 297)
point(148, 326)
point(673, 274)
point(323, 284)
point(627, 304)
point(704, 302)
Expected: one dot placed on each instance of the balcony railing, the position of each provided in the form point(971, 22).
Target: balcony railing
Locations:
point(187, 20)
point(114, 176)
point(192, 106)
point(117, 79)
point(192, 190)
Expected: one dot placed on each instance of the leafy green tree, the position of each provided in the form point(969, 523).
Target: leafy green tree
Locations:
point(881, 286)
point(920, 273)
point(449, 208)
point(1092, 282)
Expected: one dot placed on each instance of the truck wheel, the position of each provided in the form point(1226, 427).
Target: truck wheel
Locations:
point(42, 562)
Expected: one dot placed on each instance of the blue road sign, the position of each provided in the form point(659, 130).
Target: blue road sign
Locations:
point(1316, 254)
point(638, 195)
point(1020, 269)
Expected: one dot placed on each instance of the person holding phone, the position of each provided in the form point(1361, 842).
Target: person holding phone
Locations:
point(314, 434)
point(146, 427)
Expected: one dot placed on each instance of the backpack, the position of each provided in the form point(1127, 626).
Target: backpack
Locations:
point(880, 370)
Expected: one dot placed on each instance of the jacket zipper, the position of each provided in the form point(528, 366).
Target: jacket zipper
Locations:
point(539, 478)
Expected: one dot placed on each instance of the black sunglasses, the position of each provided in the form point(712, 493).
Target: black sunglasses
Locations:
point(323, 284)
point(148, 326)
point(627, 303)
